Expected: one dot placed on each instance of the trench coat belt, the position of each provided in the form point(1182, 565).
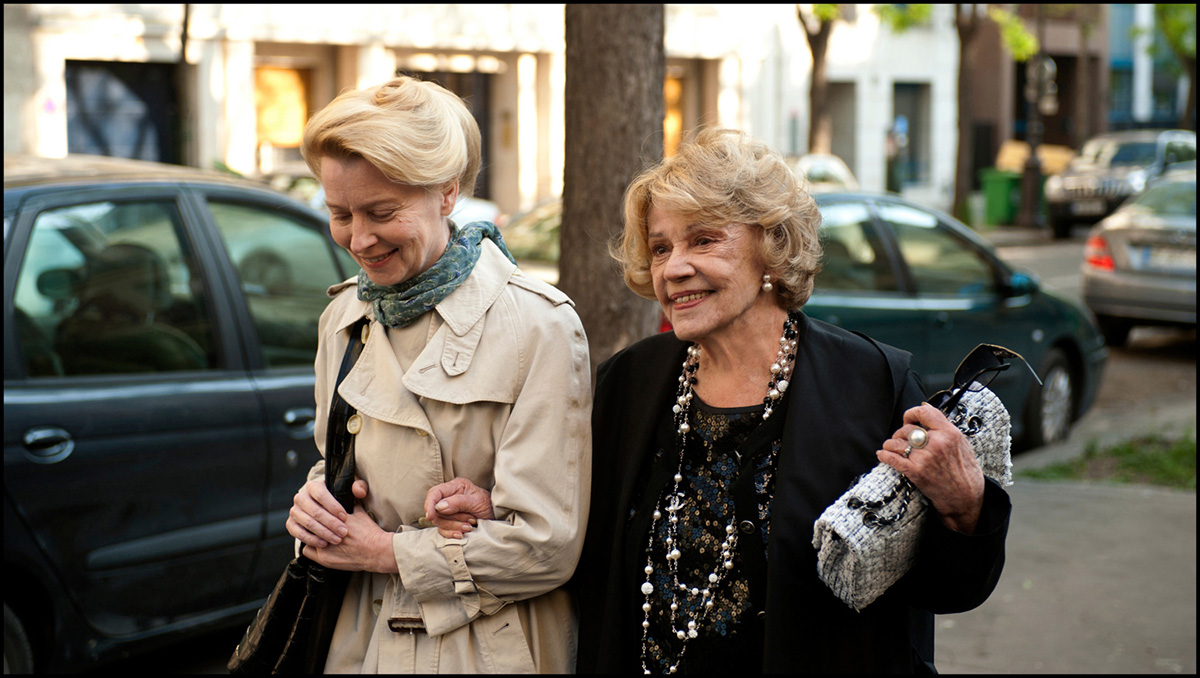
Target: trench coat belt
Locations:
point(410, 624)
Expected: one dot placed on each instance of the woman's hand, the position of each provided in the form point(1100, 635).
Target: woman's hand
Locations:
point(455, 507)
point(335, 539)
point(945, 470)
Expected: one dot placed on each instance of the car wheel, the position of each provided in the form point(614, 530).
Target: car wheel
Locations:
point(1049, 409)
point(1061, 228)
point(18, 654)
point(1116, 330)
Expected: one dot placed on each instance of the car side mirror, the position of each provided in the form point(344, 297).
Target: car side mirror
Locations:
point(1020, 284)
point(59, 283)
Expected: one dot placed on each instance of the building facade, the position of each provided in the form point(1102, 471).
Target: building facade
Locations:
point(232, 85)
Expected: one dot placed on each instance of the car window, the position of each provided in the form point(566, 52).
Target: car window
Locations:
point(284, 267)
point(1134, 153)
point(939, 261)
point(109, 288)
point(852, 257)
point(1175, 198)
point(1178, 151)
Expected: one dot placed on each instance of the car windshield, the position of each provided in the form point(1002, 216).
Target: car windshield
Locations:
point(1116, 154)
point(1175, 198)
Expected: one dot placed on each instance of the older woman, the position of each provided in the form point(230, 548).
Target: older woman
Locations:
point(716, 447)
point(470, 370)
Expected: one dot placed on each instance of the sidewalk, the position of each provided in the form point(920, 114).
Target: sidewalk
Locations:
point(1099, 578)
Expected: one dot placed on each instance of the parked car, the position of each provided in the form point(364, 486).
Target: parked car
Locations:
point(920, 280)
point(160, 327)
point(1109, 169)
point(469, 209)
point(533, 234)
point(1139, 265)
point(824, 172)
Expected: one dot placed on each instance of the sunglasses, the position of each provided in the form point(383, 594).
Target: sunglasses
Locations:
point(975, 372)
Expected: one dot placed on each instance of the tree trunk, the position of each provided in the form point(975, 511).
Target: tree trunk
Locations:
point(820, 125)
point(615, 69)
point(966, 22)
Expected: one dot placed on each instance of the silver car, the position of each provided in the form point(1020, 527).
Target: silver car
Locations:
point(1109, 169)
point(1139, 265)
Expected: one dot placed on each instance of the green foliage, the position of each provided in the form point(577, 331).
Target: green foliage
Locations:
point(826, 13)
point(903, 17)
point(1020, 42)
point(1153, 460)
point(1177, 23)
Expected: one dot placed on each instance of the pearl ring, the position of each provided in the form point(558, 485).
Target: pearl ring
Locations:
point(918, 438)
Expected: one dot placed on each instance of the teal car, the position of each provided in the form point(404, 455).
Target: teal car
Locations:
point(918, 279)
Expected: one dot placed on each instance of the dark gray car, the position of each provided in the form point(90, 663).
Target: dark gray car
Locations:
point(160, 326)
point(1109, 169)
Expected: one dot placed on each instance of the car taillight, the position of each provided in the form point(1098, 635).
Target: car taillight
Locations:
point(1097, 255)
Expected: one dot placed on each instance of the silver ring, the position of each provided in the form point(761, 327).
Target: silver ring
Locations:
point(907, 451)
point(918, 438)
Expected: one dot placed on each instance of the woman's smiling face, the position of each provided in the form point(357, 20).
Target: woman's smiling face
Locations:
point(394, 231)
point(706, 277)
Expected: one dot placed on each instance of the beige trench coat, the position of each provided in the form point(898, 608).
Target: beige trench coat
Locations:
point(493, 385)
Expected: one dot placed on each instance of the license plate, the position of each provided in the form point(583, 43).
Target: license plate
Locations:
point(1170, 258)
point(1087, 207)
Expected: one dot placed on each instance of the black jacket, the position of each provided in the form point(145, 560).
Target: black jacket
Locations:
point(848, 395)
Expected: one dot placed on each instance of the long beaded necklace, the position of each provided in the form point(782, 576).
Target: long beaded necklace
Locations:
point(780, 373)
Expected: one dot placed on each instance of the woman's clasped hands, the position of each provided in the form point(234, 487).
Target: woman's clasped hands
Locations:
point(336, 539)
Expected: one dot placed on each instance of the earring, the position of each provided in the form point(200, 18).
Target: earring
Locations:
point(766, 286)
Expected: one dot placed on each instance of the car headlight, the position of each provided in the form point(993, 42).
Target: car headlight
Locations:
point(1136, 181)
point(1054, 187)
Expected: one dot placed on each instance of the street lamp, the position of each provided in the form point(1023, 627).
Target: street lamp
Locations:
point(1041, 98)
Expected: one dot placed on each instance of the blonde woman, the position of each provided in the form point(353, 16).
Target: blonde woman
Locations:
point(471, 373)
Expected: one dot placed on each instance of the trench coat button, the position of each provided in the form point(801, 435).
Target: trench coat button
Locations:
point(422, 433)
point(365, 332)
point(354, 424)
point(746, 527)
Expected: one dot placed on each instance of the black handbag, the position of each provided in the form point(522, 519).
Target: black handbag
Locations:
point(293, 629)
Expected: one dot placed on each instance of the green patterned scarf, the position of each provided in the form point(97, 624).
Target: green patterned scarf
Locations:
point(399, 305)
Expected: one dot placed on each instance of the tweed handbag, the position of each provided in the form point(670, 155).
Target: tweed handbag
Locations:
point(867, 539)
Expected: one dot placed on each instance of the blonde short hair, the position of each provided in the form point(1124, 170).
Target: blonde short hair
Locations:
point(415, 132)
point(724, 177)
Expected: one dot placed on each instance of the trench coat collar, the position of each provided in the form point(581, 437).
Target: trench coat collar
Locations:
point(465, 306)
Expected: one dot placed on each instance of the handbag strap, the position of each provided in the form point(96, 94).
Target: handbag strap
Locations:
point(339, 442)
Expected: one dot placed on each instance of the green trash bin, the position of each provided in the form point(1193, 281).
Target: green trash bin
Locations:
point(1001, 194)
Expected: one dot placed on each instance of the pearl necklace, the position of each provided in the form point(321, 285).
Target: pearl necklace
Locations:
point(780, 372)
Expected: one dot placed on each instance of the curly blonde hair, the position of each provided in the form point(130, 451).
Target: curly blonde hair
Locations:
point(415, 132)
point(723, 177)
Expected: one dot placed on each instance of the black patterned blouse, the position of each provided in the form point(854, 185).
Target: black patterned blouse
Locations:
point(725, 443)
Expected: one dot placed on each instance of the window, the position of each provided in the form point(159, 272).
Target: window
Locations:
point(1179, 151)
point(108, 288)
point(852, 259)
point(940, 263)
point(910, 151)
point(284, 267)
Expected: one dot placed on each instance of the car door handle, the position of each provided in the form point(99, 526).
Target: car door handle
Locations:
point(300, 422)
point(48, 445)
